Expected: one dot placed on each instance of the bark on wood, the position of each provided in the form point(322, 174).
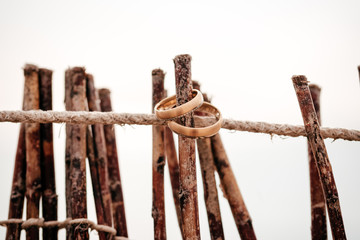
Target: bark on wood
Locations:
point(318, 210)
point(90, 151)
point(173, 165)
point(209, 183)
point(32, 141)
point(158, 160)
point(312, 129)
point(98, 165)
point(76, 148)
point(49, 197)
point(18, 188)
point(187, 166)
point(231, 189)
point(118, 207)
point(210, 190)
point(68, 76)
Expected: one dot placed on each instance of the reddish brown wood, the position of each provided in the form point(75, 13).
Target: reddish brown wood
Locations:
point(18, 187)
point(49, 197)
point(209, 183)
point(77, 148)
point(68, 76)
point(118, 207)
point(231, 189)
point(173, 165)
point(32, 141)
point(210, 190)
point(158, 157)
point(312, 129)
point(90, 151)
point(187, 165)
point(318, 210)
point(99, 165)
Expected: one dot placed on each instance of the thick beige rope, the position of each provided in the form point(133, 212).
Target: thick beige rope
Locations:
point(40, 223)
point(150, 119)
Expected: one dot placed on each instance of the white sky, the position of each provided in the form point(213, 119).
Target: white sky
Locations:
point(244, 54)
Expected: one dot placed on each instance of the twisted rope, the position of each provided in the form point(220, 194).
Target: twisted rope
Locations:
point(150, 119)
point(40, 223)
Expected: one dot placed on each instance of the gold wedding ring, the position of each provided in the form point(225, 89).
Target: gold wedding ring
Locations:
point(165, 108)
point(199, 132)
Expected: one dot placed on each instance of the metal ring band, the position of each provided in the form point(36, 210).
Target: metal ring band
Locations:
point(199, 132)
point(165, 109)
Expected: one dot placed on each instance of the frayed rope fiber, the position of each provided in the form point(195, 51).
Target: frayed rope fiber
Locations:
point(40, 223)
point(38, 116)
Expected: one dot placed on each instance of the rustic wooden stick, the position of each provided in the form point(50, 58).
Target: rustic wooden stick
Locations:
point(312, 129)
point(49, 197)
point(68, 75)
point(187, 165)
point(231, 189)
point(32, 141)
point(158, 160)
point(210, 190)
point(318, 210)
point(18, 187)
point(78, 153)
point(99, 165)
point(90, 151)
point(209, 182)
point(173, 165)
point(118, 207)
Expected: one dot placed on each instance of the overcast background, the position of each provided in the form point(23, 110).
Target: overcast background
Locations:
point(244, 54)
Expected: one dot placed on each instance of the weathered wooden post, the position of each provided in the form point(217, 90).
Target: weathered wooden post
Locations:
point(18, 187)
point(76, 145)
point(187, 165)
point(32, 141)
point(118, 206)
point(318, 209)
point(49, 197)
point(158, 160)
point(318, 148)
point(98, 161)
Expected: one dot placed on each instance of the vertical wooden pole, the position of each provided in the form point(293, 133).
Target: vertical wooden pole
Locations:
point(187, 165)
point(210, 190)
point(231, 189)
point(18, 187)
point(318, 209)
point(312, 129)
point(77, 148)
point(118, 207)
point(173, 165)
point(68, 76)
point(158, 157)
point(209, 183)
point(32, 141)
point(101, 190)
point(49, 197)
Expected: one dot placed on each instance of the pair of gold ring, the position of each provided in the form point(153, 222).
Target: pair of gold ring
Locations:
point(166, 109)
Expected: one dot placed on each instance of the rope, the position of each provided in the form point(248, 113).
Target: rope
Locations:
point(38, 116)
point(40, 223)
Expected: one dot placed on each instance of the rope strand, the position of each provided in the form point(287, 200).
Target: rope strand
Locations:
point(150, 119)
point(40, 223)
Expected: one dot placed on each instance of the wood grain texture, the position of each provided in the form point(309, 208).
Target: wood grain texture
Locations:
point(187, 166)
point(312, 128)
point(158, 160)
point(115, 187)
